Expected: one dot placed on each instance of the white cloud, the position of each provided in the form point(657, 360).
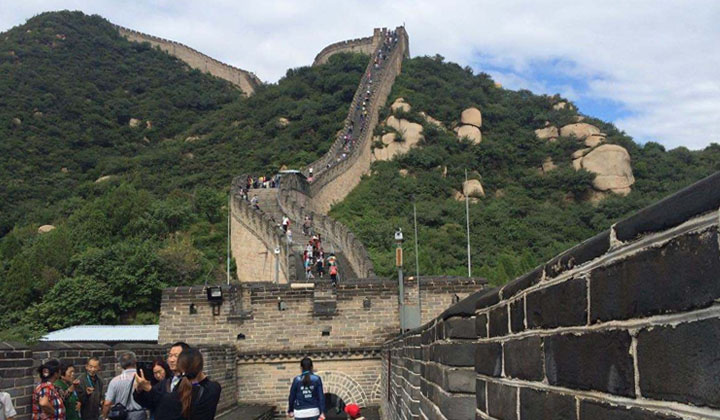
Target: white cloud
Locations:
point(658, 59)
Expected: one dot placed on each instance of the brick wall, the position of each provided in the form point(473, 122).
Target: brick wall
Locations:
point(352, 375)
point(243, 79)
point(253, 311)
point(623, 326)
point(19, 363)
point(359, 45)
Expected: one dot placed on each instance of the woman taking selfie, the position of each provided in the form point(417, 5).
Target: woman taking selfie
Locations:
point(195, 398)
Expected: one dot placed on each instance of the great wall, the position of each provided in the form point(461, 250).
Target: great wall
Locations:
point(623, 326)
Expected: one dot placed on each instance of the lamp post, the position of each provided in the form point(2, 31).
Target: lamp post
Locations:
point(401, 285)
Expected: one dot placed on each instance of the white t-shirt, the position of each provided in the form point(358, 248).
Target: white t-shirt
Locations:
point(6, 406)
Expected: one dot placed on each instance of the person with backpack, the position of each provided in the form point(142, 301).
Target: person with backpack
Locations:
point(333, 274)
point(307, 399)
point(119, 394)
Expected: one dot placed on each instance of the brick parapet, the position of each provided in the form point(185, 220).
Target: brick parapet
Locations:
point(624, 325)
point(245, 80)
point(366, 45)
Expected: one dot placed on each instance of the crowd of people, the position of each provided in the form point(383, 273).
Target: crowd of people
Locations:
point(177, 389)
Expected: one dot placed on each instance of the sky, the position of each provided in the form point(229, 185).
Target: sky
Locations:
point(650, 67)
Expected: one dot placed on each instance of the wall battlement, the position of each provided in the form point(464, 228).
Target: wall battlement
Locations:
point(245, 80)
point(624, 325)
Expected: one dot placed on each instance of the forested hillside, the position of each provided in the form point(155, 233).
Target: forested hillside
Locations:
point(129, 154)
point(69, 87)
point(527, 216)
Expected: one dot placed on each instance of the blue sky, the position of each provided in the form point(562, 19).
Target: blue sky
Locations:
point(651, 67)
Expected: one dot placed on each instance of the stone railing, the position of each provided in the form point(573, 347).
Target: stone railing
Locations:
point(264, 229)
point(623, 326)
point(338, 233)
point(245, 80)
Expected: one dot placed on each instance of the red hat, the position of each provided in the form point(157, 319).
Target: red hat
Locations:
point(352, 410)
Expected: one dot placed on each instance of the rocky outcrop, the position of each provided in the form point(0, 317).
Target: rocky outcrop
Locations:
point(471, 116)
point(400, 105)
point(560, 105)
point(470, 132)
point(611, 165)
point(283, 122)
point(104, 178)
point(579, 130)
point(134, 122)
point(548, 165)
point(548, 133)
point(594, 140)
point(473, 188)
point(432, 120)
point(411, 134)
point(45, 229)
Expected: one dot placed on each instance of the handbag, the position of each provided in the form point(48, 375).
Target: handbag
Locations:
point(119, 411)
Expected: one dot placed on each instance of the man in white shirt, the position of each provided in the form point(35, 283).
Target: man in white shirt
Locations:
point(7, 411)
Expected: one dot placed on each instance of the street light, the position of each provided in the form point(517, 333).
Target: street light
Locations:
point(401, 288)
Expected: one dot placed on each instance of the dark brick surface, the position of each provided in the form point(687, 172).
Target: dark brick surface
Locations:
point(698, 198)
point(523, 282)
point(546, 405)
point(460, 328)
point(681, 363)
point(480, 395)
point(579, 254)
point(499, 321)
point(595, 361)
point(488, 359)
point(523, 359)
point(681, 275)
point(489, 298)
point(502, 401)
point(454, 354)
point(466, 307)
point(517, 315)
point(592, 410)
point(561, 305)
point(481, 325)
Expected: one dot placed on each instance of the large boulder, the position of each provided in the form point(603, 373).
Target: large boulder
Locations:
point(45, 229)
point(411, 134)
point(547, 133)
point(282, 122)
point(134, 122)
point(611, 164)
point(473, 188)
point(579, 130)
point(400, 105)
point(548, 165)
point(471, 132)
point(471, 116)
point(104, 178)
point(431, 120)
point(594, 140)
point(560, 105)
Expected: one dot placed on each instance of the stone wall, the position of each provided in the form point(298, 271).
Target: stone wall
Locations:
point(623, 326)
point(254, 237)
point(19, 363)
point(360, 45)
point(334, 184)
point(360, 313)
point(352, 375)
point(243, 79)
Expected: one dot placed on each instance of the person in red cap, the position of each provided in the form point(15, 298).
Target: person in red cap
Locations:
point(353, 411)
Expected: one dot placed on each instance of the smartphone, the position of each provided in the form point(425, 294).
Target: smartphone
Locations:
point(147, 370)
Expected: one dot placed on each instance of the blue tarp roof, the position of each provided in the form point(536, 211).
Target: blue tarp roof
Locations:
point(105, 333)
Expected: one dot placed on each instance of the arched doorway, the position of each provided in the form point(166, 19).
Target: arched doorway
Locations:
point(334, 407)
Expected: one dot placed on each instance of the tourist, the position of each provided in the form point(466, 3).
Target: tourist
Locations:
point(255, 202)
point(119, 390)
point(47, 404)
point(68, 386)
point(289, 236)
point(285, 223)
point(333, 274)
point(353, 411)
point(307, 400)
point(151, 398)
point(195, 398)
point(90, 390)
point(160, 370)
point(320, 267)
point(7, 411)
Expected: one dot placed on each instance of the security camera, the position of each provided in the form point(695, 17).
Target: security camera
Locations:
point(398, 235)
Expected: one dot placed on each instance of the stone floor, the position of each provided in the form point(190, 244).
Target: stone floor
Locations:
point(248, 412)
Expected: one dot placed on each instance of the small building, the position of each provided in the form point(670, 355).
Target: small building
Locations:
point(108, 334)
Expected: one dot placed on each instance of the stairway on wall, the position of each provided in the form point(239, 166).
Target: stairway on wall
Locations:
point(268, 203)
